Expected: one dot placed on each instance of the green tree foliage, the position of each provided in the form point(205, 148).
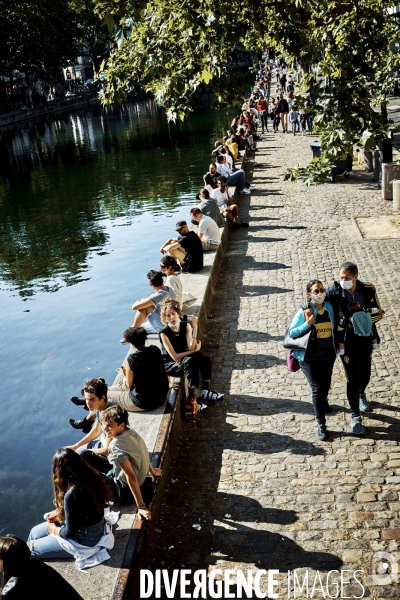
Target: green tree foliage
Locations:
point(92, 37)
point(172, 46)
point(37, 36)
point(42, 36)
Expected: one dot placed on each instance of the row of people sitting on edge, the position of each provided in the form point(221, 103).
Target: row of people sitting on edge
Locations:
point(143, 386)
point(111, 463)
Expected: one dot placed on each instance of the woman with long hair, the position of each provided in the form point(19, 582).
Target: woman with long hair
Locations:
point(80, 497)
point(234, 125)
point(181, 350)
point(23, 576)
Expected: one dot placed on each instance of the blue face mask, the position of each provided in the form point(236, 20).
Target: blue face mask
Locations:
point(175, 325)
point(346, 285)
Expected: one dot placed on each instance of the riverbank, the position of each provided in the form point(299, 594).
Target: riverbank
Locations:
point(51, 109)
point(85, 207)
point(265, 491)
point(118, 578)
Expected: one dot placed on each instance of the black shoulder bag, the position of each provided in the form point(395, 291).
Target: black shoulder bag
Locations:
point(299, 343)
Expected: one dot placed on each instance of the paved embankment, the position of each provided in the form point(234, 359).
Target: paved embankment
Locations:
point(294, 502)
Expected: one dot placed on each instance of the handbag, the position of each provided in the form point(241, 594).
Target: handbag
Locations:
point(299, 343)
point(292, 363)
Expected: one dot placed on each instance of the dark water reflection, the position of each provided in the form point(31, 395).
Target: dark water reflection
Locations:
point(85, 203)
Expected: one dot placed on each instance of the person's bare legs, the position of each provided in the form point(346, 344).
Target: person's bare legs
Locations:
point(227, 214)
point(141, 316)
point(234, 210)
point(178, 253)
point(232, 215)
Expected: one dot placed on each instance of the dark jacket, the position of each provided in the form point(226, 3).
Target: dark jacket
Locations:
point(283, 106)
point(337, 297)
point(40, 581)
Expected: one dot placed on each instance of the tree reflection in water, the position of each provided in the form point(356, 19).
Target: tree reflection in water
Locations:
point(61, 180)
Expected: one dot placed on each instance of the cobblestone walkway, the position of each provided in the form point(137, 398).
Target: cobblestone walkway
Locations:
point(251, 472)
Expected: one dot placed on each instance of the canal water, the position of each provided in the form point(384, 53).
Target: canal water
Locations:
point(86, 200)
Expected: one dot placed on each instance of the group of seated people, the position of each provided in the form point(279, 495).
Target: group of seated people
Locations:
point(110, 463)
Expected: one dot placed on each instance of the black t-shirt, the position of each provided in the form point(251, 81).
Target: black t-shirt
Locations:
point(177, 338)
point(150, 379)
point(194, 251)
point(36, 579)
point(321, 347)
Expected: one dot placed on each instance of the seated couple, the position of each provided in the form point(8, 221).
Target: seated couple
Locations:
point(82, 490)
point(237, 179)
point(219, 205)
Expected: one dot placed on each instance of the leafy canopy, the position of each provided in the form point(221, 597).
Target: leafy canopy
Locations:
point(170, 47)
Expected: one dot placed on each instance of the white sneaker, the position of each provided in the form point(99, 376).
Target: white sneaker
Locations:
point(245, 191)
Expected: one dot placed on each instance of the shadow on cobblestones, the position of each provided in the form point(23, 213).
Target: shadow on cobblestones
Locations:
point(255, 456)
point(252, 290)
point(270, 406)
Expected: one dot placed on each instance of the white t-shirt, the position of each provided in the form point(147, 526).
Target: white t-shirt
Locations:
point(209, 188)
point(220, 197)
point(174, 282)
point(229, 160)
point(223, 170)
point(210, 230)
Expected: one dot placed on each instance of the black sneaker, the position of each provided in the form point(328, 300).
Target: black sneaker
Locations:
point(210, 395)
point(78, 401)
point(322, 433)
point(327, 408)
point(244, 224)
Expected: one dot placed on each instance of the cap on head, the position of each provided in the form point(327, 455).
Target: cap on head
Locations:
point(180, 225)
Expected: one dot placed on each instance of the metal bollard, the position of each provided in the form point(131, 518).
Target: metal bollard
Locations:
point(377, 166)
point(396, 194)
point(368, 161)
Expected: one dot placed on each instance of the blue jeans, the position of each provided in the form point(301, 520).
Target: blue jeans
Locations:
point(237, 179)
point(46, 547)
point(264, 119)
point(89, 446)
point(294, 127)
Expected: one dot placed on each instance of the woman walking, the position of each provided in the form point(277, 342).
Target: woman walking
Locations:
point(283, 110)
point(317, 361)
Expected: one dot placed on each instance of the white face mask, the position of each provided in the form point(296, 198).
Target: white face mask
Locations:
point(346, 285)
point(319, 298)
point(175, 324)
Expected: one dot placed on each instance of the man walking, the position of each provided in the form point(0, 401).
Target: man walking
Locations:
point(357, 357)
